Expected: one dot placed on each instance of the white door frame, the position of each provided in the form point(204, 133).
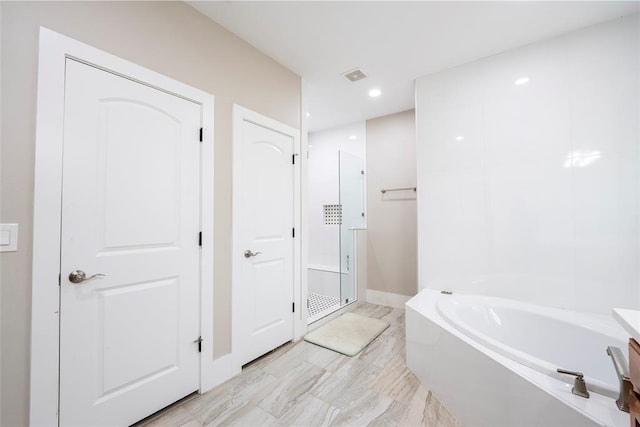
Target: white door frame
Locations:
point(241, 114)
point(45, 330)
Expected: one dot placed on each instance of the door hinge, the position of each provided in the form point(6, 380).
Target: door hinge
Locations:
point(200, 238)
point(293, 307)
point(293, 232)
point(361, 172)
point(200, 134)
point(293, 159)
point(199, 342)
point(59, 279)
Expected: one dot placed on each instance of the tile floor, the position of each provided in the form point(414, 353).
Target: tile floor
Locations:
point(301, 384)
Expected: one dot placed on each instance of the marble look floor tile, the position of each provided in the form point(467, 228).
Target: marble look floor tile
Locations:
point(444, 417)
point(383, 350)
point(395, 316)
point(290, 359)
point(178, 417)
point(416, 411)
point(391, 417)
point(291, 388)
point(397, 382)
point(396, 327)
point(309, 412)
point(268, 358)
point(426, 410)
point(306, 351)
point(223, 402)
point(365, 408)
point(431, 412)
point(248, 415)
point(347, 384)
point(324, 358)
point(372, 310)
point(301, 384)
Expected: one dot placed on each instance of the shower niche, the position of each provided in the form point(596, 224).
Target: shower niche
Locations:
point(336, 200)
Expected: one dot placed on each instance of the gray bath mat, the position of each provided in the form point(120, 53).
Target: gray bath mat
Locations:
point(348, 334)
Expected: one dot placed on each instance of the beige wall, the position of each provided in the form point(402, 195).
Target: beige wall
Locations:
point(391, 223)
point(168, 37)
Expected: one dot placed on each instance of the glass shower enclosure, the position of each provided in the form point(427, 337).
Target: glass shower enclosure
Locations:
point(351, 195)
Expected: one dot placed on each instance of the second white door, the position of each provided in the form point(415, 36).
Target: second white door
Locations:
point(264, 237)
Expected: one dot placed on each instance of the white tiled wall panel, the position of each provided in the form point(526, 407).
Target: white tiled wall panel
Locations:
point(531, 191)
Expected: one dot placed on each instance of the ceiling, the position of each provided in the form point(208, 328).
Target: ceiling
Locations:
point(393, 42)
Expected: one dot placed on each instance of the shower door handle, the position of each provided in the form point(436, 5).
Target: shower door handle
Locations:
point(249, 254)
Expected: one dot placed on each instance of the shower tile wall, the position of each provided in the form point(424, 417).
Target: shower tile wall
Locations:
point(324, 282)
point(531, 190)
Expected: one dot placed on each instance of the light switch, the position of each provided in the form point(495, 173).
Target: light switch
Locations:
point(5, 238)
point(8, 237)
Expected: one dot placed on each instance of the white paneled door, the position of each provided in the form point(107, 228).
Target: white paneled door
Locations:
point(130, 216)
point(264, 201)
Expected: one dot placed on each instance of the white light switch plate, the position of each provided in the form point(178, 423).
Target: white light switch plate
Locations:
point(8, 237)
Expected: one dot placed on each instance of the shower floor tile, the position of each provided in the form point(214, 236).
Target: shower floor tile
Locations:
point(319, 303)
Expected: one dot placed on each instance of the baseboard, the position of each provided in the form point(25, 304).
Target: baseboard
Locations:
point(387, 298)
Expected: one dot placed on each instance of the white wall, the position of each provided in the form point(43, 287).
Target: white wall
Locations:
point(322, 188)
point(539, 201)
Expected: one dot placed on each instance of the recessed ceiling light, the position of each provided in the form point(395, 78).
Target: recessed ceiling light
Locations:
point(522, 80)
point(459, 138)
point(353, 137)
point(375, 93)
point(308, 115)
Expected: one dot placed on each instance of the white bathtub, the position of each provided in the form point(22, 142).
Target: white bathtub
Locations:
point(492, 361)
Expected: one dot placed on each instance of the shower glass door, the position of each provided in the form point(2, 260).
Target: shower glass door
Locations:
point(351, 195)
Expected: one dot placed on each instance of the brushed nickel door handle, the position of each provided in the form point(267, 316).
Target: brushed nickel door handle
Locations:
point(79, 276)
point(249, 254)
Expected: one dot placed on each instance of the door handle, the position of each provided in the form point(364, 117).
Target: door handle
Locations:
point(249, 254)
point(79, 276)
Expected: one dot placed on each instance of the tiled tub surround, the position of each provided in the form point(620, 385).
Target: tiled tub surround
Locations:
point(486, 361)
point(531, 191)
point(301, 384)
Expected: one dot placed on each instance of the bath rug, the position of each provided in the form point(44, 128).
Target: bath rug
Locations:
point(347, 334)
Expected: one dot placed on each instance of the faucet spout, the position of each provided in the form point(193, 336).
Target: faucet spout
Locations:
point(622, 372)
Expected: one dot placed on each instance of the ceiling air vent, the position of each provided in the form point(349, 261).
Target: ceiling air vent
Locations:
point(354, 75)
